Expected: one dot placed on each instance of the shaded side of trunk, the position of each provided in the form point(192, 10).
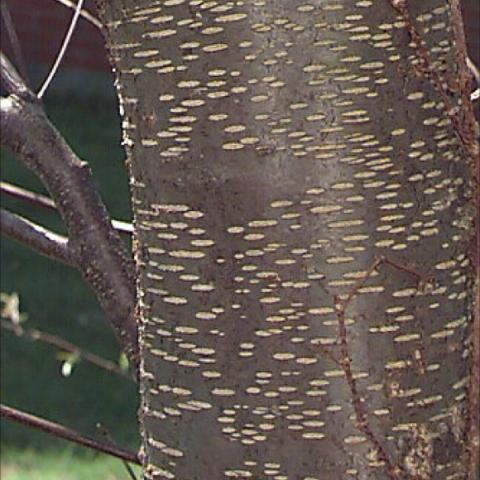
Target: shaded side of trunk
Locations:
point(302, 206)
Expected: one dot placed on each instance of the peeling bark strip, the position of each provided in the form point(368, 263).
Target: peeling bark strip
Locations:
point(277, 149)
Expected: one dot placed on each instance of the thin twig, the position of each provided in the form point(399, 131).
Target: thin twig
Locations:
point(36, 237)
point(64, 345)
point(38, 199)
point(104, 431)
point(14, 42)
point(68, 434)
point(21, 193)
point(99, 253)
point(394, 471)
point(12, 82)
point(83, 13)
point(62, 50)
point(361, 413)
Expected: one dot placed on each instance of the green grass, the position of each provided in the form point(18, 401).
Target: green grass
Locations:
point(65, 465)
point(56, 300)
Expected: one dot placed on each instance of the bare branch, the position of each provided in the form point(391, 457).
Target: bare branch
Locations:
point(61, 52)
point(62, 344)
point(83, 13)
point(38, 199)
point(36, 237)
point(14, 42)
point(13, 82)
point(68, 434)
point(21, 193)
point(104, 431)
point(122, 227)
point(98, 250)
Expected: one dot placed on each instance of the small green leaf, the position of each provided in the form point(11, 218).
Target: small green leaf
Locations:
point(123, 362)
point(66, 356)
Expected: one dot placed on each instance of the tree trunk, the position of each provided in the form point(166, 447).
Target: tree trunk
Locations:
point(302, 182)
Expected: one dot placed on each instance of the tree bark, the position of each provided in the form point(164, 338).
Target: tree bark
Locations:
point(303, 182)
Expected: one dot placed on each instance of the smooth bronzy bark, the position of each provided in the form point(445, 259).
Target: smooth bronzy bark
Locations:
point(302, 191)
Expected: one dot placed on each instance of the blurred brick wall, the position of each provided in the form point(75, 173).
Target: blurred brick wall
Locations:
point(471, 15)
point(41, 26)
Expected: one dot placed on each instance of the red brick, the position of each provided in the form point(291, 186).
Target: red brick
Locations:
point(42, 28)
